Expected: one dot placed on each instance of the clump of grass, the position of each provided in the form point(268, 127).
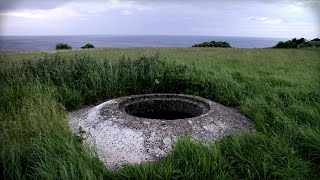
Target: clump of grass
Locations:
point(36, 143)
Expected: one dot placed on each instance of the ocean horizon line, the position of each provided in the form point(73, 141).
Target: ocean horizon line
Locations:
point(48, 42)
point(139, 35)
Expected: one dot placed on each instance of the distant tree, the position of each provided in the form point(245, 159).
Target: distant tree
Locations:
point(298, 43)
point(316, 39)
point(294, 43)
point(87, 46)
point(62, 46)
point(213, 44)
point(314, 43)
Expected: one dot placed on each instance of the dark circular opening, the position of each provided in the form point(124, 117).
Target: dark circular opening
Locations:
point(164, 108)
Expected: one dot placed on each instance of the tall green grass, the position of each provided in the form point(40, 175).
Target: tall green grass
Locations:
point(281, 98)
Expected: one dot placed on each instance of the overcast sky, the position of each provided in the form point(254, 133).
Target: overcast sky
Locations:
point(249, 18)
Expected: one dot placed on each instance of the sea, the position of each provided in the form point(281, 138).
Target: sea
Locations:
point(34, 43)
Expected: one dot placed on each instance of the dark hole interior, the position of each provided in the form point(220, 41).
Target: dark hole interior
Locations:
point(169, 115)
point(168, 109)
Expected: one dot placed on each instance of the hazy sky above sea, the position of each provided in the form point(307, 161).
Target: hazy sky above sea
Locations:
point(248, 18)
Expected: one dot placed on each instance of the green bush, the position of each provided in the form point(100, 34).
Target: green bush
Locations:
point(213, 44)
point(87, 46)
point(61, 46)
point(314, 43)
point(316, 39)
point(298, 43)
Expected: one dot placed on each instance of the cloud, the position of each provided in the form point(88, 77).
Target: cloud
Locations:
point(40, 13)
point(207, 17)
point(78, 9)
point(293, 6)
point(266, 20)
point(6, 5)
point(9, 5)
point(307, 2)
point(126, 12)
point(50, 4)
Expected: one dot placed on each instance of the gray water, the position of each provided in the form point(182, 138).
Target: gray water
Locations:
point(30, 43)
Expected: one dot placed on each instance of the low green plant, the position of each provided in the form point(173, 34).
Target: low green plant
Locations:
point(87, 46)
point(63, 46)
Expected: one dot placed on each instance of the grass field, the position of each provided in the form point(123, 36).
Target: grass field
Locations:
point(278, 89)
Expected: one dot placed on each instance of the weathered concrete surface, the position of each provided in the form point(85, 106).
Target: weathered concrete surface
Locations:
point(120, 138)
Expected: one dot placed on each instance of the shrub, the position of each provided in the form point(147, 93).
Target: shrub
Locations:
point(294, 43)
point(314, 43)
point(87, 46)
point(298, 43)
point(316, 39)
point(213, 44)
point(61, 46)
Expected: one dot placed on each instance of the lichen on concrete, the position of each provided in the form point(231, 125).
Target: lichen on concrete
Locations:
point(120, 138)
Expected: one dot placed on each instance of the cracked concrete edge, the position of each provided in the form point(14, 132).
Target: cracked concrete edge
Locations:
point(119, 138)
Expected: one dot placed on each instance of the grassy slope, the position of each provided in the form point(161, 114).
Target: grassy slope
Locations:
point(276, 88)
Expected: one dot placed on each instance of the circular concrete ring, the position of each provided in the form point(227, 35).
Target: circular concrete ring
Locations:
point(164, 106)
point(134, 129)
